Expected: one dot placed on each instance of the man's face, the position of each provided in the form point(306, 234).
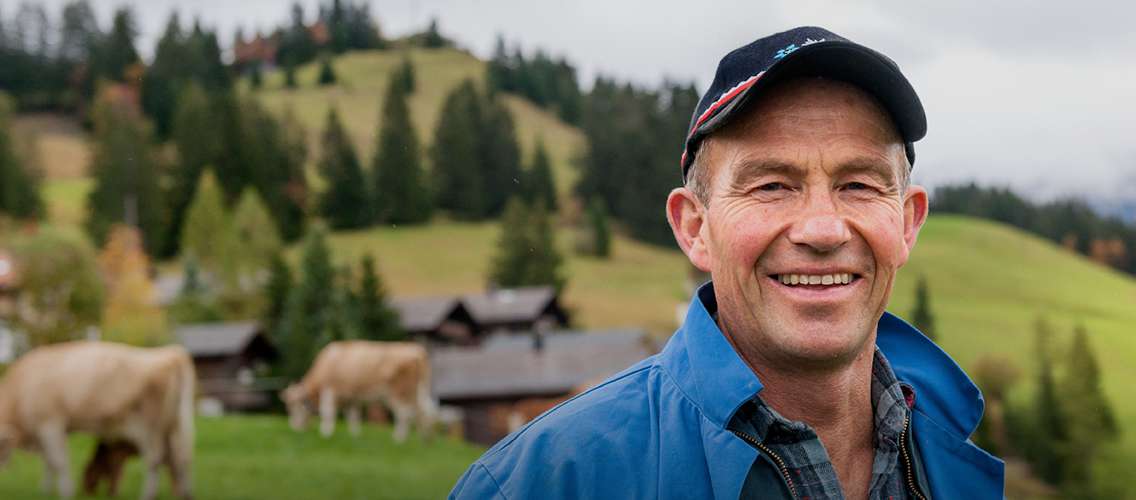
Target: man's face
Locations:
point(805, 188)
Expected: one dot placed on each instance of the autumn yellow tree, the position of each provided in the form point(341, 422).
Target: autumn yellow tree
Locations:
point(131, 315)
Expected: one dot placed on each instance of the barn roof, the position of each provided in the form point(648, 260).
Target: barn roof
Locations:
point(417, 314)
point(509, 305)
point(217, 339)
point(506, 365)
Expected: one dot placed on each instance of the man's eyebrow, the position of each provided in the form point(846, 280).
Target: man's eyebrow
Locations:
point(881, 170)
point(748, 170)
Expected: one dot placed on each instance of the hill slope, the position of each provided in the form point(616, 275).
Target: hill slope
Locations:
point(362, 82)
point(988, 284)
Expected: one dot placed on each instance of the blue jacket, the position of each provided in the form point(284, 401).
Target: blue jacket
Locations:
point(658, 429)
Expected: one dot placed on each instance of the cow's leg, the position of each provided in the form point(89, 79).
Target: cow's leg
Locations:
point(48, 481)
point(327, 411)
point(53, 441)
point(153, 451)
point(403, 412)
point(353, 418)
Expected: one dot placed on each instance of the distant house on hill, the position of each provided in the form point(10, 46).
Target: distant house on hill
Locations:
point(489, 383)
point(228, 358)
point(517, 309)
point(260, 51)
point(436, 320)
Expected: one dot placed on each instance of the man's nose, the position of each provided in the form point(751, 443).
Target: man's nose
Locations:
point(821, 228)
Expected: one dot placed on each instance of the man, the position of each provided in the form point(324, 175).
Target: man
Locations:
point(787, 378)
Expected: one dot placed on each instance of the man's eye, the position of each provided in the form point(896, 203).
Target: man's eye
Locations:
point(771, 187)
point(856, 186)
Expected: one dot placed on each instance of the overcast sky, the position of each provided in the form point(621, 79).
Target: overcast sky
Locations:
point(1038, 95)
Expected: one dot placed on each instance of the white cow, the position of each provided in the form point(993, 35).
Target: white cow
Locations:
point(353, 373)
point(116, 392)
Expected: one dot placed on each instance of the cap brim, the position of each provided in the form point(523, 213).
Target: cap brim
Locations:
point(844, 61)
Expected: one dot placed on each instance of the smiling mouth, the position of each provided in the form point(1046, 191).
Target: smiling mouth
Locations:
point(816, 280)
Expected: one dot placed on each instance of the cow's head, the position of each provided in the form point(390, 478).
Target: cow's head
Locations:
point(296, 399)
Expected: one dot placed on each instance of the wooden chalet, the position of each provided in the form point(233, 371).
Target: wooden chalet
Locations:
point(517, 310)
point(230, 359)
point(436, 320)
point(487, 384)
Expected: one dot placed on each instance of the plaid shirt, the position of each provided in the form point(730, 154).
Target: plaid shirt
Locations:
point(804, 456)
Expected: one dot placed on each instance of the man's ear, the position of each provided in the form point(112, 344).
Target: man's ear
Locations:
point(914, 214)
point(686, 216)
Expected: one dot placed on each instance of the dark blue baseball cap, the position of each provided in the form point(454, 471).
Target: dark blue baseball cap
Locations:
point(804, 51)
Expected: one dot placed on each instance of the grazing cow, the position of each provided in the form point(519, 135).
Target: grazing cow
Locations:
point(116, 392)
point(356, 372)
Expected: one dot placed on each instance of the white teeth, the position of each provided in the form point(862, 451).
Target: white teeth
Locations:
point(816, 279)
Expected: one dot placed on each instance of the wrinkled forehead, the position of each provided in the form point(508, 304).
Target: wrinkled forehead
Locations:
point(814, 113)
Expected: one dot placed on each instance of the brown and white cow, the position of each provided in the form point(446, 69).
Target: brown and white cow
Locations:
point(116, 392)
point(356, 372)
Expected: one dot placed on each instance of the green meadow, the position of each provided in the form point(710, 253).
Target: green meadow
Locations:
point(254, 458)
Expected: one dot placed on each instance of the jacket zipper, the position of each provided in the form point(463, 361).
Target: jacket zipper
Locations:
point(907, 460)
point(780, 463)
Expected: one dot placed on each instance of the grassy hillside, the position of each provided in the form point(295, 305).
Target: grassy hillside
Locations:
point(988, 284)
point(361, 86)
point(260, 457)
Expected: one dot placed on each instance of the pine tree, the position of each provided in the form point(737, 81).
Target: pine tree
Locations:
point(274, 152)
point(159, 87)
point(378, 320)
point(115, 52)
point(921, 316)
point(539, 183)
point(19, 191)
point(125, 173)
point(308, 313)
point(500, 155)
point(546, 261)
point(455, 153)
point(207, 235)
point(289, 74)
point(510, 265)
point(346, 202)
point(198, 144)
point(401, 196)
point(1090, 418)
point(326, 73)
point(256, 77)
point(1050, 445)
point(526, 253)
point(276, 291)
point(255, 239)
point(404, 76)
point(601, 232)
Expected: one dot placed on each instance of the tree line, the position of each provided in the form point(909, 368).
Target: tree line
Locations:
point(1069, 222)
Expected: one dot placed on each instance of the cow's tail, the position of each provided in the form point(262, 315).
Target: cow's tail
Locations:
point(181, 437)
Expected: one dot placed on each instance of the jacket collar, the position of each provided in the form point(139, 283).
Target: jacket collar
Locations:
point(716, 379)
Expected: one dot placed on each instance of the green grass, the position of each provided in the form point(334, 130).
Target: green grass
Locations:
point(259, 457)
point(66, 200)
point(362, 82)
